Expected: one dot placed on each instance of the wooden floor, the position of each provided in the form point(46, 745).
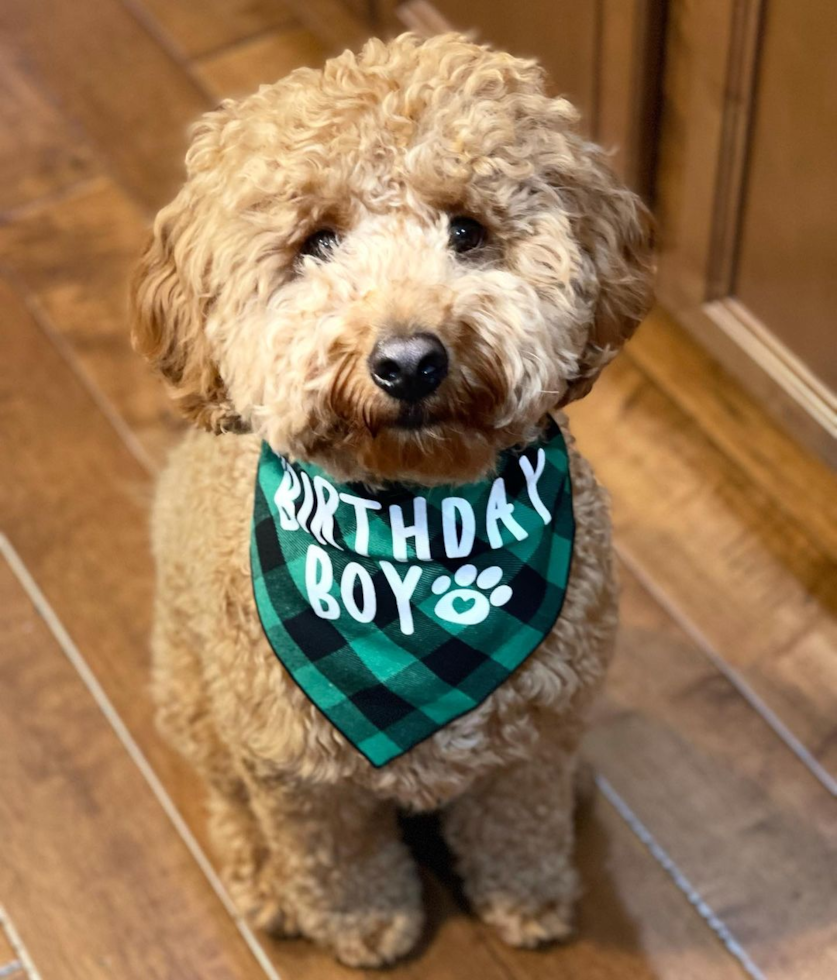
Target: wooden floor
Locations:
point(709, 851)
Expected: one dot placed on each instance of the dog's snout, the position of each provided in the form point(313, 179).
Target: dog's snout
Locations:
point(409, 368)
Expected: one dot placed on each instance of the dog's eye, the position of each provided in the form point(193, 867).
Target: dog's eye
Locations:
point(320, 244)
point(466, 234)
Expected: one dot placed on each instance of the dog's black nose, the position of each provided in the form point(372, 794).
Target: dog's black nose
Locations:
point(409, 368)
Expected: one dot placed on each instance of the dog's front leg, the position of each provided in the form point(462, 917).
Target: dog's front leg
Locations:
point(339, 872)
point(513, 837)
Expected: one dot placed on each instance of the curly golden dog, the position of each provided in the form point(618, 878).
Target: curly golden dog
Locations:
point(427, 196)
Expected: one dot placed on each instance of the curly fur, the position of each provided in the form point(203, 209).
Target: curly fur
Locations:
point(383, 147)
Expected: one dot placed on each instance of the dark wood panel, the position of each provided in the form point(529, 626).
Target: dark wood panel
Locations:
point(364, 10)
point(98, 880)
point(630, 52)
point(788, 248)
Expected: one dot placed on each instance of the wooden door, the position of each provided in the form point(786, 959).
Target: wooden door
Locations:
point(748, 197)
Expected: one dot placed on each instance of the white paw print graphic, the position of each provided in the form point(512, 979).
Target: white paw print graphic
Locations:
point(466, 606)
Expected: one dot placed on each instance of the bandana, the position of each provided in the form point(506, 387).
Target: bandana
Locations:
point(398, 610)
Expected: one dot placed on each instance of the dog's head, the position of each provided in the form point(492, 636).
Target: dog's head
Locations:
point(393, 267)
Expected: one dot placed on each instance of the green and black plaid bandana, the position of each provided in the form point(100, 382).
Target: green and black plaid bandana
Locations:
point(397, 611)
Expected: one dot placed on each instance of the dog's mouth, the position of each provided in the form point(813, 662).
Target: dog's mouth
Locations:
point(427, 442)
point(415, 417)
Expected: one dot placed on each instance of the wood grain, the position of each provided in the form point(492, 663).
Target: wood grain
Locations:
point(241, 69)
point(76, 512)
point(199, 27)
point(110, 77)
point(720, 549)
point(100, 883)
point(74, 257)
point(40, 153)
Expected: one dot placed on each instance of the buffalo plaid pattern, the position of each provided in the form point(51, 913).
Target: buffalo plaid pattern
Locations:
point(383, 690)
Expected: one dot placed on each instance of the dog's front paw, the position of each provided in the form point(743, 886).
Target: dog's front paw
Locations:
point(361, 938)
point(372, 938)
point(529, 926)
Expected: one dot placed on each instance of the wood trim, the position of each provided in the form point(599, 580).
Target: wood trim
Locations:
point(739, 100)
point(769, 371)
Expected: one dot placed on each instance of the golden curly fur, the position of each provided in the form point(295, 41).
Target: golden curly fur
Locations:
point(258, 343)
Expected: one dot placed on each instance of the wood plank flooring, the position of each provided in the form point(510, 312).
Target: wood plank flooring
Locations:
point(81, 809)
point(754, 584)
point(708, 851)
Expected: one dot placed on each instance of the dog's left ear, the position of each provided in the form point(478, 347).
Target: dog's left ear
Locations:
point(616, 231)
point(170, 296)
point(168, 315)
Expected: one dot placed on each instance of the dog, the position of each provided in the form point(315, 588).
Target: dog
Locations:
point(378, 288)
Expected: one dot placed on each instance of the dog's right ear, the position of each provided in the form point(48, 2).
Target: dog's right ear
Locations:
point(169, 305)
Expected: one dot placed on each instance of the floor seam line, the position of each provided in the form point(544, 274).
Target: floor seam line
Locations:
point(679, 878)
point(20, 212)
point(65, 350)
point(8, 927)
point(281, 27)
point(707, 648)
point(153, 29)
point(129, 743)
